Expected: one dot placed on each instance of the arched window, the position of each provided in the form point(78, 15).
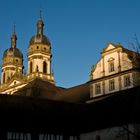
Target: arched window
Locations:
point(31, 67)
point(3, 78)
point(44, 67)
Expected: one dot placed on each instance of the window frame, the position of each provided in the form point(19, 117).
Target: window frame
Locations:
point(111, 66)
point(111, 85)
point(97, 88)
point(127, 82)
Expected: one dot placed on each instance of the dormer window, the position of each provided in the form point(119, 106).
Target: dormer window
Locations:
point(111, 67)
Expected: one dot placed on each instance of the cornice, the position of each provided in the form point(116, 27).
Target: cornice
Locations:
point(114, 75)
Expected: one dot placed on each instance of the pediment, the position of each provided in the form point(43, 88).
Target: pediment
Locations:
point(110, 47)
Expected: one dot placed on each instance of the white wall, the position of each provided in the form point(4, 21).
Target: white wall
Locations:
point(98, 70)
point(113, 55)
point(125, 62)
point(121, 64)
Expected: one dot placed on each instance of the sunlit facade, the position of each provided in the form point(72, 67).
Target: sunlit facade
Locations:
point(116, 70)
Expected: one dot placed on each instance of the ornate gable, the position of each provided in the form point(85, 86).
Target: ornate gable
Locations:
point(110, 46)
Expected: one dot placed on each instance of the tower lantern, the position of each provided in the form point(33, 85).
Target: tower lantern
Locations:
point(12, 61)
point(39, 54)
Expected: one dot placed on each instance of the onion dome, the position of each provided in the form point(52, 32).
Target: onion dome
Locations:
point(39, 38)
point(13, 51)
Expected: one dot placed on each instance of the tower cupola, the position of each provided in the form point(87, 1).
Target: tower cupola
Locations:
point(40, 38)
point(12, 60)
point(39, 54)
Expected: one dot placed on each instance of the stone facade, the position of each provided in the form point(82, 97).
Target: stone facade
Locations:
point(39, 62)
point(116, 70)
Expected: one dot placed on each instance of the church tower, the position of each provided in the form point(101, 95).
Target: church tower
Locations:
point(12, 64)
point(39, 55)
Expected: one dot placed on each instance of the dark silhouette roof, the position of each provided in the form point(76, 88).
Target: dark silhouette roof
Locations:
point(77, 94)
point(31, 114)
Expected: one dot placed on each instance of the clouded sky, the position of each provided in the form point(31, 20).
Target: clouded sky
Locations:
point(78, 30)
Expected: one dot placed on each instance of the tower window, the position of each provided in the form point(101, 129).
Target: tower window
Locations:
point(44, 49)
point(37, 69)
point(44, 67)
point(37, 47)
point(97, 88)
point(111, 85)
point(3, 78)
point(126, 80)
point(16, 60)
point(31, 67)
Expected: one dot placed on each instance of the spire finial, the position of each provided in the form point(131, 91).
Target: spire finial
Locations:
point(40, 24)
point(40, 14)
point(13, 37)
point(14, 28)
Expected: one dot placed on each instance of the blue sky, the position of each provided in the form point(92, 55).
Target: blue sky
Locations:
point(78, 30)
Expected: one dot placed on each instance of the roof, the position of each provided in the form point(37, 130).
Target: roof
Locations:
point(40, 39)
point(12, 52)
point(39, 88)
point(31, 114)
point(77, 94)
point(44, 89)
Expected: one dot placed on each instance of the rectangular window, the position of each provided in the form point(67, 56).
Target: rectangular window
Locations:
point(127, 81)
point(111, 85)
point(97, 88)
point(111, 66)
